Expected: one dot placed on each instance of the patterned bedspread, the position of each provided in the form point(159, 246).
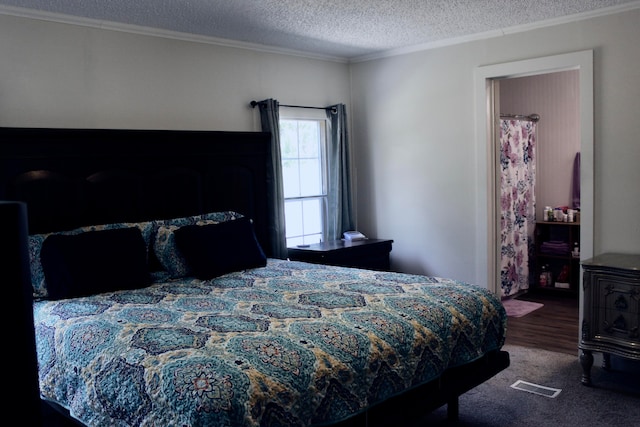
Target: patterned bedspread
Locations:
point(290, 344)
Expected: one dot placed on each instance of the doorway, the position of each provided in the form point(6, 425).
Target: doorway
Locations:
point(540, 142)
point(488, 257)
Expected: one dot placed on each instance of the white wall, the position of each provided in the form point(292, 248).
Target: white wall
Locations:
point(413, 122)
point(413, 115)
point(58, 75)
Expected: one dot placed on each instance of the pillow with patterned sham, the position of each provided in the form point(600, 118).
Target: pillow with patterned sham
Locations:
point(164, 246)
point(94, 262)
point(35, 242)
point(165, 250)
point(191, 220)
point(216, 249)
point(148, 229)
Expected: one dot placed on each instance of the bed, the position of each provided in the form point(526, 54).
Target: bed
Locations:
point(156, 300)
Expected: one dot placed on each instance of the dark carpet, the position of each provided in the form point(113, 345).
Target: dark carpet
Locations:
point(612, 400)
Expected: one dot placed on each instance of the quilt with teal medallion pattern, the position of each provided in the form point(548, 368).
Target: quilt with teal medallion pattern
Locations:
point(290, 344)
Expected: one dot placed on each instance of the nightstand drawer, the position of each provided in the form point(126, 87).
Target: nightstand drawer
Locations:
point(622, 293)
point(371, 254)
point(617, 324)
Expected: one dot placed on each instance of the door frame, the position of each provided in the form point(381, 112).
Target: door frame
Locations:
point(487, 155)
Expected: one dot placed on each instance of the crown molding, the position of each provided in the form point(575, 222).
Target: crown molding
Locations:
point(156, 32)
point(175, 35)
point(499, 33)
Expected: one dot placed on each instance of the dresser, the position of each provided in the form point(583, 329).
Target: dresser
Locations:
point(611, 308)
point(372, 254)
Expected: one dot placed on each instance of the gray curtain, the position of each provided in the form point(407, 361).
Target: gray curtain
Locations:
point(340, 198)
point(269, 118)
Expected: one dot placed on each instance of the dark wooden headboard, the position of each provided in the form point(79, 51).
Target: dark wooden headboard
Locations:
point(74, 177)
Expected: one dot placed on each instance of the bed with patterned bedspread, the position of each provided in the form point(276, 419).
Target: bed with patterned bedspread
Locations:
point(133, 328)
point(280, 343)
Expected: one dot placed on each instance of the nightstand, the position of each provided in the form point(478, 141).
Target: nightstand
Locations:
point(611, 321)
point(371, 254)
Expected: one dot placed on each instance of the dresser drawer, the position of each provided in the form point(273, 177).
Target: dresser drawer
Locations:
point(618, 294)
point(615, 308)
point(616, 325)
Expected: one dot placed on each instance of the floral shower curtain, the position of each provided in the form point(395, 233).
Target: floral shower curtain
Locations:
point(517, 198)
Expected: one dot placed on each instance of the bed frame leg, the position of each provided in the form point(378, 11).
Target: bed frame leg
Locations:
point(453, 409)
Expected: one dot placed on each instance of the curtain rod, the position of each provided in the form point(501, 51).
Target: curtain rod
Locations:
point(333, 109)
point(532, 117)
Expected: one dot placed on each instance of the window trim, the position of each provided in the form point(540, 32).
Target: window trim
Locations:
point(316, 116)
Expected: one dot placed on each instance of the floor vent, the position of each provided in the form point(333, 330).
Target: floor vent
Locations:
point(536, 389)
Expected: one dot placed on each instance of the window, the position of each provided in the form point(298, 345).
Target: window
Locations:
point(303, 152)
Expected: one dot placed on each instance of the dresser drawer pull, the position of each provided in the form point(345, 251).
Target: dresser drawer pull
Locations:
point(621, 303)
point(618, 325)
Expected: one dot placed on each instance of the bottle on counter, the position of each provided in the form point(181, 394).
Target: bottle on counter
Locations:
point(544, 277)
point(548, 213)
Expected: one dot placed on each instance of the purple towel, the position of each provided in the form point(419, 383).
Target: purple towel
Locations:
point(555, 248)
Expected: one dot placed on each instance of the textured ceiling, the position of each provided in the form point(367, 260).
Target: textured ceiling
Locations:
point(344, 29)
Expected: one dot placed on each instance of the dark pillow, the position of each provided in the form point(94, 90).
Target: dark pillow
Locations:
point(215, 249)
point(94, 262)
